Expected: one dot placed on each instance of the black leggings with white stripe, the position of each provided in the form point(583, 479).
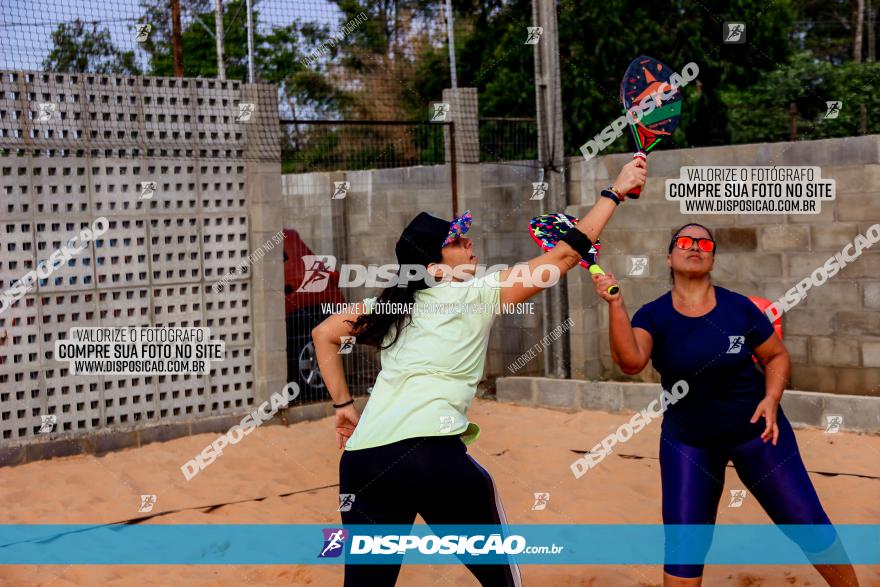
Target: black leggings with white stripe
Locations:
point(431, 476)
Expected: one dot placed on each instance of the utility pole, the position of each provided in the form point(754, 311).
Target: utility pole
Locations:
point(548, 96)
point(218, 26)
point(250, 40)
point(176, 45)
point(450, 33)
point(858, 25)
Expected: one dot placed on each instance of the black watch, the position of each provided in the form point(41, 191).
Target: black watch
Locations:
point(611, 195)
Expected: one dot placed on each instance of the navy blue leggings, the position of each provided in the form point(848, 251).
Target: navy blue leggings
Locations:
point(693, 479)
point(432, 476)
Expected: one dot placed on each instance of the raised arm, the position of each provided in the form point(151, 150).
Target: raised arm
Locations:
point(630, 347)
point(562, 256)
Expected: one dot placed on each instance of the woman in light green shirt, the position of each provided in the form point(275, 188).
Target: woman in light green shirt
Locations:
point(406, 454)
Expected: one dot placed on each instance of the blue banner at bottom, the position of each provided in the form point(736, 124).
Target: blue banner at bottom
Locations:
point(545, 544)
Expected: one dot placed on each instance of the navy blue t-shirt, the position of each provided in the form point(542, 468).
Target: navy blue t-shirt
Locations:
point(713, 353)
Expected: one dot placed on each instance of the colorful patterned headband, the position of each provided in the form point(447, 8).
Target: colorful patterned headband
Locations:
point(458, 227)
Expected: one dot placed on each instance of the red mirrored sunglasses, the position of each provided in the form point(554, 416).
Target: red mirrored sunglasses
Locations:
point(686, 242)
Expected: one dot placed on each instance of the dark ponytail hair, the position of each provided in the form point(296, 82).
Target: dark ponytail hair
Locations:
point(677, 232)
point(372, 328)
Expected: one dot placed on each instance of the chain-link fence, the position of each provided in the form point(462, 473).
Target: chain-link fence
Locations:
point(329, 145)
point(331, 60)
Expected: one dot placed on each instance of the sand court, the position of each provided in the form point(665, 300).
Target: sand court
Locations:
point(289, 475)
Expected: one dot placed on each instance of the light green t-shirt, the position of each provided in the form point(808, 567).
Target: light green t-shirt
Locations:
point(429, 376)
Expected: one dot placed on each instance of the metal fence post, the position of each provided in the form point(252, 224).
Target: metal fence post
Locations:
point(250, 40)
point(218, 26)
point(548, 95)
point(453, 176)
point(176, 44)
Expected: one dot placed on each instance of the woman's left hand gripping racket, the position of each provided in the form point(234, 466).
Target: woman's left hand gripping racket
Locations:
point(547, 229)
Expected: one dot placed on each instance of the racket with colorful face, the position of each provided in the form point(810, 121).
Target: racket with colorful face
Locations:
point(547, 229)
point(648, 78)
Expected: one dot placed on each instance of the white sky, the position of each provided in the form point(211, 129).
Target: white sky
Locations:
point(26, 25)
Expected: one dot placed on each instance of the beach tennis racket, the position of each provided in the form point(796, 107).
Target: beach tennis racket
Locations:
point(547, 229)
point(644, 77)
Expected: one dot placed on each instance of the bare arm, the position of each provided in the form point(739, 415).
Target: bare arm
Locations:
point(777, 366)
point(630, 347)
point(562, 256)
point(777, 369)
point(326, 338)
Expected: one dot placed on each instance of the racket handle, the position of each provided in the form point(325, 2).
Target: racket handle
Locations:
point(636, 192)
point(596, 270)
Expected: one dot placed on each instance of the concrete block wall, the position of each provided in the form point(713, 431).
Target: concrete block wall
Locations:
point(804, 408)
point(833, 335)
point(364, 227)
point(217, 183)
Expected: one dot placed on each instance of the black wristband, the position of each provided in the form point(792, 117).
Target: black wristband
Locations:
point(578, 241)
point(611, 196)
point(343, 404)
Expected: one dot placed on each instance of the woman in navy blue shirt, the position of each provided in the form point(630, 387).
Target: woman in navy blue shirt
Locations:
point(706, 335)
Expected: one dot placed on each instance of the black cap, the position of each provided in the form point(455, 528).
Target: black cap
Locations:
point(421, 241)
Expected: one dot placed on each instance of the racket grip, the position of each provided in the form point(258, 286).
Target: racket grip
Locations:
point(636, 192)
point(596, 270)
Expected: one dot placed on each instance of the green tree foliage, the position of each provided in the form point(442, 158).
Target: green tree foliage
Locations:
point(84, 47)
point(199, 46)
point(760, 113)
point(395, 63)
point(825, 29)
point(598, 40)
